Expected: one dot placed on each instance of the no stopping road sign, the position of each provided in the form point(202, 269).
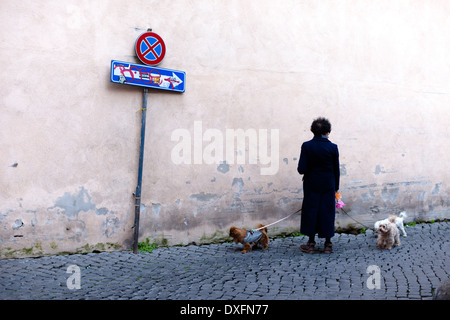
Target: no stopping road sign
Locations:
point(150, 48)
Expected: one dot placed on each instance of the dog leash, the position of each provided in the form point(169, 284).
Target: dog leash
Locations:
point(271, 224)
point(354, 219)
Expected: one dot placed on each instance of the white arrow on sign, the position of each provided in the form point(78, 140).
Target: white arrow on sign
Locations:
point(167, 82)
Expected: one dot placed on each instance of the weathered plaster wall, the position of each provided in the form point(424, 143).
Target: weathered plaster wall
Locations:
point(69, 138)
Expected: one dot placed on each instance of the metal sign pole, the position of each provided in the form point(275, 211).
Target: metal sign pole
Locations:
point(150, 49)
point(137, 194)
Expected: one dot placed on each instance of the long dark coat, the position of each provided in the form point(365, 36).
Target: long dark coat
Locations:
point(319, 163)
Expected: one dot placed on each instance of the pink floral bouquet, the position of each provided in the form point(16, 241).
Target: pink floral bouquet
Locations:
point(339, 203)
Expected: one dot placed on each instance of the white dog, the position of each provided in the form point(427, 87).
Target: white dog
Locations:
point(398, 222)
point(388, 234)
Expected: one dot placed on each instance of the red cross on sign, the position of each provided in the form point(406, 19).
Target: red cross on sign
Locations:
point(150, 48)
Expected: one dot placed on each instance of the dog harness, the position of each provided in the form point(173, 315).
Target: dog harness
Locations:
point(252, 236)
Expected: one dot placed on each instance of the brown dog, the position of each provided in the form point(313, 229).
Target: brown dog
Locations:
point(249, 238)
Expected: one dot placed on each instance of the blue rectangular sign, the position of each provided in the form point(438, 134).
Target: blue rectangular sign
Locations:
point(147, 76)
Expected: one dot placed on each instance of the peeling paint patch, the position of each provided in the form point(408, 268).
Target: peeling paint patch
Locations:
point(421, 196)
point(374, 209)
point(378, 169)
point(110, 226)
point(17, 224)
point(366, 197)
point(406, 183)
point(73, 204)
point(34, 221)
point(284, 201)
point(237, 185)
point(389, 194)
point(258, 191)
point(204, 196)
point(102, 211)
point(343, 170)
point(436, 189)
point(223, 167)
point(76, 230)
point(366, 186)
point(156, 207)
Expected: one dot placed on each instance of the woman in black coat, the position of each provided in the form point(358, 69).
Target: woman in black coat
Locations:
point(319, 164)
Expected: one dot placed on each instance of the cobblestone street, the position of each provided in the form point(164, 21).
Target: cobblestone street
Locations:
point(219, 271)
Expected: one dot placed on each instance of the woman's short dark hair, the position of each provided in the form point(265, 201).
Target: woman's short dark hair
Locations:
point(320, 126)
